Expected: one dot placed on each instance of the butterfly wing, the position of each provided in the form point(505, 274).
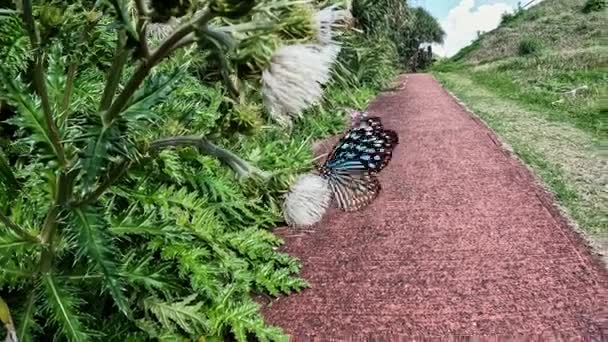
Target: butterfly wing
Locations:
point(354, 191)
point(352, 166)
point(368, 146)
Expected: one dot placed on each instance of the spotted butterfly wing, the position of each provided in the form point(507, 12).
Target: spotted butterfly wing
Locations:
point(366, 146)
point(355, 160)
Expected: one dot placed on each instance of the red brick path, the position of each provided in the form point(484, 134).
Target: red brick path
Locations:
point(460, 242)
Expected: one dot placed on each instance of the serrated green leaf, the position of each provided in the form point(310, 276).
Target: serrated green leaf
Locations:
point(12, 91)
point(154, 91)
point(63, 306)
point(186, 314)
point(95, 243)
point(26, 319)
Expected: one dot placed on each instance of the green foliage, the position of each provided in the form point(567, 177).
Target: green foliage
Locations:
point(595, 6)
point(464, 52)
point(447, 65)
point(529, 46)
point(559, 25)
point(14, 45)
point(388, 18)
point(371, 59)
point(509, 18)
point(136, 234)
point(426, 28)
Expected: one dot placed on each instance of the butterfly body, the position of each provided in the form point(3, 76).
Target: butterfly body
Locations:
point(352, 166)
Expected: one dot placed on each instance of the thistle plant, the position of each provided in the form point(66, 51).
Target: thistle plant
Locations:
point(112, 229)
point(307, 201)
point(296, 73)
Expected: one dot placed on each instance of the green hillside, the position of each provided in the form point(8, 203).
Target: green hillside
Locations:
point(557, 26)
point(540, 80)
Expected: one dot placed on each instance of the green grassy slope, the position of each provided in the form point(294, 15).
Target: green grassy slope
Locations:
point(560, 26)
point(540, 80)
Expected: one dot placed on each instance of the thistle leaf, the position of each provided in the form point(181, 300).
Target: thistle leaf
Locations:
point(183, 313)
point(62, 304)
point(26, 319)
point(94, 155)
point(11, 90)
point(154, 92)
point(142, 271)
point(95, 243)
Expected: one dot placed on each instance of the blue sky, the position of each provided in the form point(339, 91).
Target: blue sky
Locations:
point(461, 19)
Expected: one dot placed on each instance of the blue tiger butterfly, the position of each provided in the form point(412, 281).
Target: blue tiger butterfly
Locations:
point(352, 166)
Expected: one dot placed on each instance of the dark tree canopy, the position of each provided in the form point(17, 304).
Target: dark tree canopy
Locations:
point(426, 28)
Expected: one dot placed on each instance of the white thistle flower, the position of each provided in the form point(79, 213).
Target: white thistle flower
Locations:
point(326, 19)
point(307, 201)
point(292, 82)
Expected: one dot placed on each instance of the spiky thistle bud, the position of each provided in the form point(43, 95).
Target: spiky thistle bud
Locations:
point(307, 201)
point(231, 8)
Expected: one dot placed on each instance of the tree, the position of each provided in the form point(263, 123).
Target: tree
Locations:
point(425, 30)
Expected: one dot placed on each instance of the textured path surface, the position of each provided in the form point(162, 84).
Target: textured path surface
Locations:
point(461, 242)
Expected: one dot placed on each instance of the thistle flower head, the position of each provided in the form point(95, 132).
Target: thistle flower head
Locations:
point(293, 80)
point(307, 201)
point(327, 19)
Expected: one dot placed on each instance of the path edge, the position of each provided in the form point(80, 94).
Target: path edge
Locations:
point(582, 239)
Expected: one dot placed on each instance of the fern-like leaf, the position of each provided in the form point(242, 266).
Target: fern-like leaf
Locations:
point(186, 314)
point(95, 243)
point(63, 307)
point(11, 90)
point(241, 315)
point(140, 271)
point(15, 52)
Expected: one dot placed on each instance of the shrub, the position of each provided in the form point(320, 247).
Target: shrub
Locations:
point(126, 220)
point(121, 216)
point(528, 46)
point(595, 6)
point(507, 18)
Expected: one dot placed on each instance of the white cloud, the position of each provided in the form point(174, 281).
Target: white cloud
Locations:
point(463, 22)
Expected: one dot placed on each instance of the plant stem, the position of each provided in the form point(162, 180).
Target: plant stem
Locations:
point(115, 72)
point(113, 176)
point(238, 165)
point(65, 183)
point(40, 82)
point(17, 229)
point(144, 68)
point(241, 167)
point(72, 68)
point(142, 28)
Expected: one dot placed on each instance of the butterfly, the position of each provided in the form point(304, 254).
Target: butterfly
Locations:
point(351, 168)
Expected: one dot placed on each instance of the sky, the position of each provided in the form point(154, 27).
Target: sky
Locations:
point(461, 19)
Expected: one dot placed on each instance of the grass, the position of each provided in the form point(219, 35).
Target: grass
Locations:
point(557, 24)
point(567, 158)
point(529, 46)
point(540, 80)
point(546, 83)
